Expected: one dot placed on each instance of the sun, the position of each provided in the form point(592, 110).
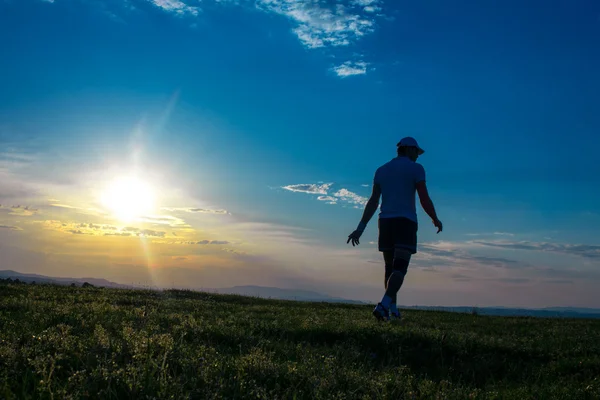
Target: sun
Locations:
point(128, 198)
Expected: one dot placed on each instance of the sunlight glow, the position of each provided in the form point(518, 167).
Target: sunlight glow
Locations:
point(128, 198)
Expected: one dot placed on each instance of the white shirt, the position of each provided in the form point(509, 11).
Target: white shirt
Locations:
point(398, 180)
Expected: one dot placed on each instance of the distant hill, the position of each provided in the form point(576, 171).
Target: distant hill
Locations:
point(256, 291)
point(28, 278)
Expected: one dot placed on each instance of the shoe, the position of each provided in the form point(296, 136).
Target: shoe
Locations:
point(395, 316)
point(381, 313)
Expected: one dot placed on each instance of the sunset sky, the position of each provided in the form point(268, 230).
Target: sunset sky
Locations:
point(217, 143)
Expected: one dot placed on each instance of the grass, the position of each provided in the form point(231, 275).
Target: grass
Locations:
point(61, 342)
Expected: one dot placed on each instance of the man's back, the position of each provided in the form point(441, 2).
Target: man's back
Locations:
point(398, 179)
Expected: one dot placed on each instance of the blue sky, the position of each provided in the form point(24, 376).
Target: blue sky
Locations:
point(263, 113)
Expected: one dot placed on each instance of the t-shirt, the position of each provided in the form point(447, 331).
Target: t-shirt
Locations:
point(398, 179)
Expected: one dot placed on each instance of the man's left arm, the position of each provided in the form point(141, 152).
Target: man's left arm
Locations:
point(371, 206)
point(370, 209)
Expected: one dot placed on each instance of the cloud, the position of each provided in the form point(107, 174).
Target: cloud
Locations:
point(205, 211)
point(216, 242)
point(350, 197)
point(236, 252)
point(89, 228)
point(80, 210)
point(514, 280)
point(581, 250)
point(350, 68)
point(143, 232)
point(196, 210)
point(176, 7)
point(63, 206)
point(461, 278)
point(168, 220)
point(372, 9)
point(364, 2)
point(309, 188)
point(490, 234)
point(150, 232)
point(328, 199)
point(456, 255)
point(22, 211)
point(559, 281)
point(321, 23)
point(341, 195)
point(200, 242)
point(10, 227)
point(25, 211)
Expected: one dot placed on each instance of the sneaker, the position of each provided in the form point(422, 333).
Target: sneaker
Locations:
point(381, 313)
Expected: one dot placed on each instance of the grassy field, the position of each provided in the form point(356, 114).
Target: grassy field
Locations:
point(69, 343)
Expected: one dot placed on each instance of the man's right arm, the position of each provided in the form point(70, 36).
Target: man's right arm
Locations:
point(427, 204)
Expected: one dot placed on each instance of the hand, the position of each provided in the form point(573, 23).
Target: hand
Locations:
point(438, 224)
point(354, 237)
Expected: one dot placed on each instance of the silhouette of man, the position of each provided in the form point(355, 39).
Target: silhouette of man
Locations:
point(396, 182)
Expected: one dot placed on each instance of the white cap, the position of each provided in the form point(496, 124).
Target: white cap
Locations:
point(410, 142)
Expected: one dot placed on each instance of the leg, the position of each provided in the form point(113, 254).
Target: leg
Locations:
point(400, 267)
point(399, 235)
point(388, 257)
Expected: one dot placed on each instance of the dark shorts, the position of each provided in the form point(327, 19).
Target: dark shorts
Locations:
point(397, 233)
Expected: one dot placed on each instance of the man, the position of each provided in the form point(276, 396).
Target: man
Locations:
point(396, 182)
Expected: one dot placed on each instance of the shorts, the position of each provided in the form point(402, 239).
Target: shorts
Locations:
point(397, 232)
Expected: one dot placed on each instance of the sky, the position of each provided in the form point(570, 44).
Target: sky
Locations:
point(214, 143)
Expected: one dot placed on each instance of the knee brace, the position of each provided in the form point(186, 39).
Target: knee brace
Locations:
point(401, 260)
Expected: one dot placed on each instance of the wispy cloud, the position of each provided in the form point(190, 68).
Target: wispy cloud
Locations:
point(309, 188)
point(81, 210)
point(320, 23)
point(490, 234)
point(176, 7)
point(582, 250)
point(328, 199)
point(461, 257)
point(364, 2)
point(10, 227)
point(22, 211)
point(87, 228)
point(167, 220)
point(450, 254)
point(350, 197)
point(196, 210)
point(146, 232)
point(342, 195)
point(64, 206)
point(350, 68)
point(200, 242)
point(216, 242)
